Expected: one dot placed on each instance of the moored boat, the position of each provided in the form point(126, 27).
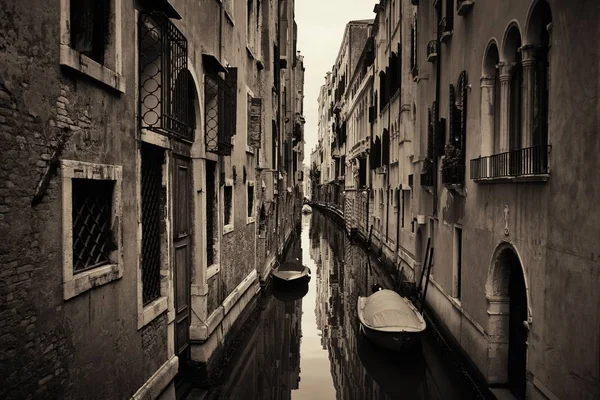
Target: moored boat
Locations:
point(291, 272)
point(390, 320)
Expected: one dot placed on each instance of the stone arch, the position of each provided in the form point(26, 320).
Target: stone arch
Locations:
point(497, 278)
point(511, 42)
point(491, 58)
point(538, 18)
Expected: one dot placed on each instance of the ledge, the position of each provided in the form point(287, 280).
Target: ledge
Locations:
point(75, 60)
point(515, 179)
point(159, 381)
point(87, 280)
point(152, 310)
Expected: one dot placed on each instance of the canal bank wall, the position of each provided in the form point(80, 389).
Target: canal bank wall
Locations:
point(227, 323)
point(407, 287)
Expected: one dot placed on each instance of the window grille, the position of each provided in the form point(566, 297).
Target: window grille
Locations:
point(92, 212)
point(163, 76)
point(153, 196)
point(227, 204)
point(220, 111)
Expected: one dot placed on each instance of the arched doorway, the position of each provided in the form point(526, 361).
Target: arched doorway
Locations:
point(507, 288)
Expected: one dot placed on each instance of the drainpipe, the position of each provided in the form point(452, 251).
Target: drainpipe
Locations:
point(438, 71)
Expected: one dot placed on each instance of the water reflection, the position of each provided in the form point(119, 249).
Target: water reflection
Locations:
point(308, 344)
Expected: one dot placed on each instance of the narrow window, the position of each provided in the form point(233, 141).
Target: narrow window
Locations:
point(457, 261)
point(250, 194)
point(211, 212)
point(89, 27)
point(227, 205)
point(93, 243)
point(153, 197)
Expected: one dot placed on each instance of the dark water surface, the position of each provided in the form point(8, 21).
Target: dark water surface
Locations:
point(312, 348)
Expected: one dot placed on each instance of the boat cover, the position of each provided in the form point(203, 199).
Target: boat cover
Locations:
point(387, 311)
point(290, 270)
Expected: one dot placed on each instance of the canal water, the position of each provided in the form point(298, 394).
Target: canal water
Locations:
point(307, 345)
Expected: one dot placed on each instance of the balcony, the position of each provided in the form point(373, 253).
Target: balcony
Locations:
point(427, 179)
point(463, 7)
point(446, 28)
point(523, 165)
point(432, 51)
point(336, 153)
point(453, 175)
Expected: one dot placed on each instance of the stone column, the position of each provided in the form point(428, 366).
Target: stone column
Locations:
point(505, 75)
point(488, 109)
point(528, 53)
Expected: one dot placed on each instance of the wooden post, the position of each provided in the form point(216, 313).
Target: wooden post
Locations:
point(427, 281)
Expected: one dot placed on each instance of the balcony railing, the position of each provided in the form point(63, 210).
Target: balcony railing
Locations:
point(453, 175)
point(463, 7)
point(427, 179)
point(432, 51)
point(529, 161)
point(446, 28)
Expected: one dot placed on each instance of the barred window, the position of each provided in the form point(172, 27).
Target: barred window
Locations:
point(220, 104)
point(89, 21)
point(153, 200)
point(92, 212)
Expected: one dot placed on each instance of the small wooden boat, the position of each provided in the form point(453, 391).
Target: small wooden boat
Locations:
point(306, 209)
point(290, 294)
point(291, 272)
point(390, 320)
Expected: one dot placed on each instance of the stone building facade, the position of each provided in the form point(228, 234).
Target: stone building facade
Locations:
point(489, 175)
point(149, 182)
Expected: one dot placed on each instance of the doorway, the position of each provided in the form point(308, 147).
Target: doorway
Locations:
point(182, 245)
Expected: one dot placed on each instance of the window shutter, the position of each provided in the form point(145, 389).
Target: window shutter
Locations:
point(254, 121)
point(231, 114)
point(451, 114)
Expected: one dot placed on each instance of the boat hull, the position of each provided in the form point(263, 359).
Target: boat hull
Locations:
point(291, 280)
point(395, 341)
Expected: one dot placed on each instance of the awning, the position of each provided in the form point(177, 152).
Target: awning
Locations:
point(211, 64)
point(162, 6)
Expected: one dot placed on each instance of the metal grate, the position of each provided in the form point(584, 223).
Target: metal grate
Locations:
point(163, 76)
point(92, 211)
point(152, 205)
point(220, 112)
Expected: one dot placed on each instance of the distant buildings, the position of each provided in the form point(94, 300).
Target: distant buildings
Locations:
point(151, 175)
point(469, 125)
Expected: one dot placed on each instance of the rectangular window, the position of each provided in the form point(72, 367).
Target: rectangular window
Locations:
point(91, 208)
point(254, 128)
point(89, 21)
point(92, 212)
point(457, 261)
point(220, 112)
point(153, 203)
point(212, 207)
point(250, 201)
point(406, 211)
point(90, 40)
point(228, 207)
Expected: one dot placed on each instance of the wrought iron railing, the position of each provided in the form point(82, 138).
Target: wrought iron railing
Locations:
point(522, 162)
point(447, 24)
point(432, 50)
point(453, 175)
point(427, 179)
point(163, 77)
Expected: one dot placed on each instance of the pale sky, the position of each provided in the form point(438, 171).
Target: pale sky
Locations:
point(321, 26)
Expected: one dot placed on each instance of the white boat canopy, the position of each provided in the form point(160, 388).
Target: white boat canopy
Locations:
point(387, 311)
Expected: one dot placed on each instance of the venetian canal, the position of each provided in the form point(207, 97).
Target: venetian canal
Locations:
point(312, 348)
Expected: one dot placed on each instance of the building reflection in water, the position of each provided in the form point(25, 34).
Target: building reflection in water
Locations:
point(267, 363)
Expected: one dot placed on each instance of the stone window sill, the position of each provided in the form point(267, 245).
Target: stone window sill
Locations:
point(250, 220)
point(212, 271)
point(87, 280)
point(152, 310)
point(75, 60)
point(227, 229)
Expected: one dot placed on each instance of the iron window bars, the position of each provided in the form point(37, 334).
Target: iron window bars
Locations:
point(153, 197)
point(92, 213)
point(163, 77)
point(220, 112)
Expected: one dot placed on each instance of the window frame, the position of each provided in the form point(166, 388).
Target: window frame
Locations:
point(77, 283)
point(250, 219)
point(112, 76)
